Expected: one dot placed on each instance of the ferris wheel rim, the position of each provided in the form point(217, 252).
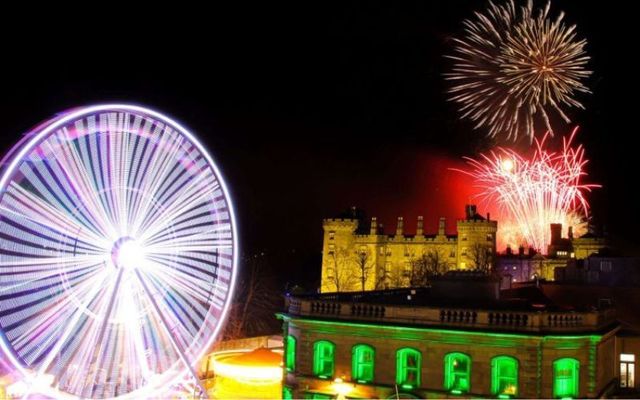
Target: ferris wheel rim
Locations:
point(32, 138)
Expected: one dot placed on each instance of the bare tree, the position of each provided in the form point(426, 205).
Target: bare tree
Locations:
point(339, 271)
point(481, 258)
point(364, 266)
point(256, 299)
point(425, 267)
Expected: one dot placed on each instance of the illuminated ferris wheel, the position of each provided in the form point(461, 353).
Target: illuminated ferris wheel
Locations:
point(117, 253)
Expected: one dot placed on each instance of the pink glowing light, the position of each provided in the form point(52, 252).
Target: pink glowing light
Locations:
point(533, 192)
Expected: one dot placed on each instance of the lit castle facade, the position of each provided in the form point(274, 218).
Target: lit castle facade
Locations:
point(352, 261)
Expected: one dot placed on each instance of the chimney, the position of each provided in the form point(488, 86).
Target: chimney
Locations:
point(400, 227)
point(441, 224)
point(521, 251)
point(374, 226)
point(556, 233)
point(509, 251)
point(420, 228)
point(570, 233)
point(470, 210)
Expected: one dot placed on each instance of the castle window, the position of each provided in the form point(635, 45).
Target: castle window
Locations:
point(566, 377)
point(504, 376)
point(457, 372)
point(291, 353)
point(489, 237)
point(605, 266)
point(464, 238)
point(561, 253)
point(464, 251)
point(408, 368)
point(323, 359)
point(332, 235)
point(382, 250)
point(362, 360)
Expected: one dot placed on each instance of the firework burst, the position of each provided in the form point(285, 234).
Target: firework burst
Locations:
point(534, 192)
point(513, 67)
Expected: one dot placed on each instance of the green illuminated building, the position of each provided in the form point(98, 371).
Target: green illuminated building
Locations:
point(437, 343)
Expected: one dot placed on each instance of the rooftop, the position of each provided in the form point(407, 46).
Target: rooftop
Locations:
point(524, 309)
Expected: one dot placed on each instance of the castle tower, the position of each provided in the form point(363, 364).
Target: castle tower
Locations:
point(338, 246)
point(476, 240)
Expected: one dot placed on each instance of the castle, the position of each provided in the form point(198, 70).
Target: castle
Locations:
point(352, 261)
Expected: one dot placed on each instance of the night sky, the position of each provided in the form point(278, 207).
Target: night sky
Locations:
point(311, 110)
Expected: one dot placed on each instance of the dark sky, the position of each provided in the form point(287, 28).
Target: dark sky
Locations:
point(312, 109)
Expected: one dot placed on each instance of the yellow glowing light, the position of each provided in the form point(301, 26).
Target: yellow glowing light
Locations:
point(260, 366)
point(342, 388)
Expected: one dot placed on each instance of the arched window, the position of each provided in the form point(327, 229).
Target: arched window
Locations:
point(504, 376)
point(362, 363)
point(323, 358)
point(566, 377)
point(457, 372)
point(408, 364)
point(291, 353)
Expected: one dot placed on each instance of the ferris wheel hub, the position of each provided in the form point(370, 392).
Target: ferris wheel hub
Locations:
point(128, 254)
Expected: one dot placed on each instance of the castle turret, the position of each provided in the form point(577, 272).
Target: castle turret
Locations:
point(441, 226)
point(471, 211)
point(420, 226)
point(400, 227)
point(374, 226)
point(339, 239)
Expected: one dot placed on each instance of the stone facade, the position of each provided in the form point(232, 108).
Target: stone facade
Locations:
point(352, 261)
point(536, 338)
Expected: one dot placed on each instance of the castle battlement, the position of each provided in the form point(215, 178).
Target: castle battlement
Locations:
point(327, 220)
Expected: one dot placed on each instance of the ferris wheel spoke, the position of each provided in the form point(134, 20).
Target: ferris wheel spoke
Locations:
point(43, 191)
point(184, 194)
point(76, 165)
point(190, 299)
point(72, 167)
point(149, 152)
point(99, 349)
point(168, 331)
point(70, 327)
point(30, 339)
point(169, 175)
point(28, 207)
point(56, 185)
point(192, 199)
